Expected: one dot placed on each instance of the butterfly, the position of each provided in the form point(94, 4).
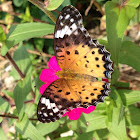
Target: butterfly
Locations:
point(83, 62)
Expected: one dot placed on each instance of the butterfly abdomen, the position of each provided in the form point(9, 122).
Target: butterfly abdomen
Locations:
point(75, 76)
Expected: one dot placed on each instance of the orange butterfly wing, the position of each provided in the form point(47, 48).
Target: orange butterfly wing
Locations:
point(77, 54)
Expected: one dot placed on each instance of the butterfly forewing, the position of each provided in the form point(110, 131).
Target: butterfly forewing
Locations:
point(75, 50)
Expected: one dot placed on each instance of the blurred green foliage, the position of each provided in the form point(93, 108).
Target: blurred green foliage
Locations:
point(115, 119)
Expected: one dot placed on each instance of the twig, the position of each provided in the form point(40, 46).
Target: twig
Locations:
point(30, 101)
point(89, 7)
point(18, 70)
point(99, 7)
point(42, 6)
point(15, 117)
point(37, 53)
point(15, 66)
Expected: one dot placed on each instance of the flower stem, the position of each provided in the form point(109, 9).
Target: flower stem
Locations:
point(15, 117)
point(42, 6)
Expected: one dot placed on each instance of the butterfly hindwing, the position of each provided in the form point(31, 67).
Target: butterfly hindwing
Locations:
point(56, 100)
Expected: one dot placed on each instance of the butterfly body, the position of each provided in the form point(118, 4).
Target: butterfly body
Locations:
point(82, 61)
point(75, 76)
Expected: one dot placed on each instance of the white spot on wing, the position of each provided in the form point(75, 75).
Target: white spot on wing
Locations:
point(55, 110)
point(45, 114)
point(57, 33)
point(63, 31)
point(60, 17)
point(74, 27)
point(51, 113)
point(61, 24)
point(39, 112)
point(71, 20)
point(67, 16)
point(48, 104)
point(43, 100)
point(68, 32)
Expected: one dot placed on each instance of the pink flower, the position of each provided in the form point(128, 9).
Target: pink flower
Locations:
point(48, 76)
point(76, 112)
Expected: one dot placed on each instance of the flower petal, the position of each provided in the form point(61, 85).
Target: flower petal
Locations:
point(43, 88)
point(74, 114)
point(53, 65)
point(66, 114)
point(88, 110)
point(48, 75)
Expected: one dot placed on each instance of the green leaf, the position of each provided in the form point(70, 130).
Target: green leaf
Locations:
point(117, 19)
point(129, 96)
point(84, 136)
point(9, 93)
point(2, 35)
point(21, 90)
point(26, 128)
point(117, 126)
point(25, 31)
point(47, 128)
point(130, 55)
point(2, 135)
point(65, 138)
point(115, 75)
point(26, 17)
point(18, 3)
point(4, 105)
point(133, 115)
point(134, 3)
point(122, 85)
point(39, 43)
point(23, 61)
point(94, 121)
point(54, 4)
point(102, 133)
point(134, 131)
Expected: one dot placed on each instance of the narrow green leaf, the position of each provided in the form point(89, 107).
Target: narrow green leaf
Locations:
point(129, 96)
point(22, 59)
point(54, 4)
point(25, 31)
point(47, 128)
point(4, 105)
point(117, 126)
point(2, 135)
point(21, 90)
point(26, 128)
point(130, 55)
point(115, 75)
point(2, 35)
